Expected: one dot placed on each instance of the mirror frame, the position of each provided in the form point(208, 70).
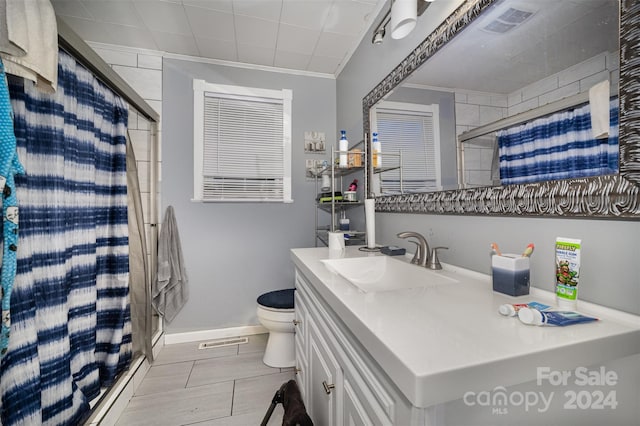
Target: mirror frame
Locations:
point(608, 196)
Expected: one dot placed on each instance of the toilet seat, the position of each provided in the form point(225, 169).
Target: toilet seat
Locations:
point(277, 300)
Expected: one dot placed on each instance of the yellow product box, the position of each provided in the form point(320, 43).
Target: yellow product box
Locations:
point(355, 158)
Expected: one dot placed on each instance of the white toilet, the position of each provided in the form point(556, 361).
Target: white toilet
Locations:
point(276, 313)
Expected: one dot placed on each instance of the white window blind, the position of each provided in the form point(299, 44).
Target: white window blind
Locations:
point(242, 149)
point(412, 130)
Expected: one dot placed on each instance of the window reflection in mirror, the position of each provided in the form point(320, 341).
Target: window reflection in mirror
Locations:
point(411, 162)
point(414, 121)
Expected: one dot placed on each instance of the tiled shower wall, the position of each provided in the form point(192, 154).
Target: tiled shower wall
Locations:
point(143, 72)
point(576, 79)
point(477, 109)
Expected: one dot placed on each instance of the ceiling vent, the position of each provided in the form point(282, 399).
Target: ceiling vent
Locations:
point(510, 19)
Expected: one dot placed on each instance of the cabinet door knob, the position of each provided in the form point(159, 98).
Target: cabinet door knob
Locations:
point(327, 388)
point(296, 322)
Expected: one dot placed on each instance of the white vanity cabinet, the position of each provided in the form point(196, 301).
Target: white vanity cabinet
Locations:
point(420, 356)
point(325, 380)
point(339, 381)
point(300, 322)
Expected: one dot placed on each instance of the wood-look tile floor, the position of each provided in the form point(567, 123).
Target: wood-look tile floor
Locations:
point(228, 386)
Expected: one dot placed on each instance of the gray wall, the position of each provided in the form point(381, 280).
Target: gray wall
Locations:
point(610, 271)
point(610, 268)
point(236, 251)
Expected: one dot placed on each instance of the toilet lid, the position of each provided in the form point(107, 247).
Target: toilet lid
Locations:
point(278, 299)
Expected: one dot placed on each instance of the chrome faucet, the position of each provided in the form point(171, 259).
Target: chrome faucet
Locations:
point(422, 252)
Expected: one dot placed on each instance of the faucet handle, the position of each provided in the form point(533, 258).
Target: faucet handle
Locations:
point(434, 262)
point(418, 254)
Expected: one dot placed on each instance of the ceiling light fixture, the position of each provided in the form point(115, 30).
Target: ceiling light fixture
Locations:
point(404, 15)
point(418, 5)
point(381, 29)
point(378, 36)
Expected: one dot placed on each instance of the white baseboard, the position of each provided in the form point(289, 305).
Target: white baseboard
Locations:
point(221, 333)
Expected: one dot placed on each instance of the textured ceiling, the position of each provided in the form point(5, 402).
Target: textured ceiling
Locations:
point(321, 35)
point(309, 35)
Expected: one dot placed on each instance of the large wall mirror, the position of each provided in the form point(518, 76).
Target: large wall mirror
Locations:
point(491, 69)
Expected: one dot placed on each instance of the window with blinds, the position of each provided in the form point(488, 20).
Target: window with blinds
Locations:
point(242, 143)
point(413, 130)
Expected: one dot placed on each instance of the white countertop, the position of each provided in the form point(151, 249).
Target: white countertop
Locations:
point(438, 343)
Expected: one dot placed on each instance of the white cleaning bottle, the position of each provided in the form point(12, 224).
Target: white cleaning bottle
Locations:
point(343, 147)
point(376, 149)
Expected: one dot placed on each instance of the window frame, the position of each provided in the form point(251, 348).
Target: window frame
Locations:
point(200, 89)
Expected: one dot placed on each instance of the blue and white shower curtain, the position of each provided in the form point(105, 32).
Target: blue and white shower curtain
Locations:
point(70, 331)
point(559, 146)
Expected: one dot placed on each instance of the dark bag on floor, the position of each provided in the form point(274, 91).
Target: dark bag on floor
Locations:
point(295, 413)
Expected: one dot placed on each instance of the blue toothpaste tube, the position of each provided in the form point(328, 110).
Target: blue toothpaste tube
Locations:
point(531, 316)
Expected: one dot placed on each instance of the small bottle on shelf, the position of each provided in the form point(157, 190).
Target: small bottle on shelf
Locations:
point(376, 150)
point(343, 146)
point(350, 194)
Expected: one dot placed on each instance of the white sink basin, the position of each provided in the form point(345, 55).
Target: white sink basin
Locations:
point(384, 273)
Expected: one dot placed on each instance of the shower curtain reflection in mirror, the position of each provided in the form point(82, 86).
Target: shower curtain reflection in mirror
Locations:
point(559, 146)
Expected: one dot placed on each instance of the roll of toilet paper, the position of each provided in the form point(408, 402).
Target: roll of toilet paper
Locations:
point(336, 241)
point(370, 220)
point(326, 183)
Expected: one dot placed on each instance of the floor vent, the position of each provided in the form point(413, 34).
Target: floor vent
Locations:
point(225, 342)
